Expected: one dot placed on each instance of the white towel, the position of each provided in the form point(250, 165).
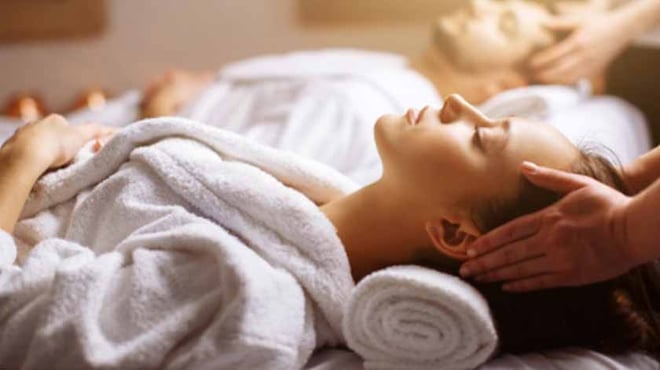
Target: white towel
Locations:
point(410, 317)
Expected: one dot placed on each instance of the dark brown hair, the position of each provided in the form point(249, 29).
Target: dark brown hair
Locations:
point(613, 317)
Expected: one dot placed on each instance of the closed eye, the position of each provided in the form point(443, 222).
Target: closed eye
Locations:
point(476, 137)
point(509, 23)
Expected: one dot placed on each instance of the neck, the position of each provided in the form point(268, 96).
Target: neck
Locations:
point(476, 87)
point(376, 229)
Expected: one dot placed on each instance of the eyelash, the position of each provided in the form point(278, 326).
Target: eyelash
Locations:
point(477, 136)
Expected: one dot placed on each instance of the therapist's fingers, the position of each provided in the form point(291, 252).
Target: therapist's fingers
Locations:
point(553, 54)
point(562, 23)
point(512, 253)
point(515, 230)
point(554, 180)
point(539, 282)
point(518, 271)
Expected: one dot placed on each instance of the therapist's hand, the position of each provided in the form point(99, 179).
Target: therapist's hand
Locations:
point(577, 241)
point(592, 44)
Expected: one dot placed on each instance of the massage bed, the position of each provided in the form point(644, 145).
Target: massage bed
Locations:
point(582, 118)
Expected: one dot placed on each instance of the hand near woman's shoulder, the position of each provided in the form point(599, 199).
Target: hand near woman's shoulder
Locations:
point(35, 148)
point(51, 142)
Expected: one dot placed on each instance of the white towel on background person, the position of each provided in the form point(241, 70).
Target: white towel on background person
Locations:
point(177, 246)
point(411, 317)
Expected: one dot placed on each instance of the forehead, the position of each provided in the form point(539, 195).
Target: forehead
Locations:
point(540, 143)
point(528, 141)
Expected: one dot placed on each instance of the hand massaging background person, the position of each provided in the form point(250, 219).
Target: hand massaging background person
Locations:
point(595, 40)
point(449, 176)
point(477, 51)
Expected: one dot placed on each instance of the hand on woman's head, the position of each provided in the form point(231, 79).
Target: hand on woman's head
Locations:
point(577, 241)
point(51, 142)
point(496, 193)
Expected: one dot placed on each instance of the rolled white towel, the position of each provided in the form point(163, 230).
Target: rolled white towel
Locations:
point(411, 317)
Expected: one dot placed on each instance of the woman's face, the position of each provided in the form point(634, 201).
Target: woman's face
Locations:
point(456, 158)
point(487, 34)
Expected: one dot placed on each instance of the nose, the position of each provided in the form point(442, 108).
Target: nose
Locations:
point(456, 107)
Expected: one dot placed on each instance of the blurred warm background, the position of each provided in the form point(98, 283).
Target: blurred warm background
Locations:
point(135, 40)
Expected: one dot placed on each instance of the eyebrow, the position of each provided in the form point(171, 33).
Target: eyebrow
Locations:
point(507, 124)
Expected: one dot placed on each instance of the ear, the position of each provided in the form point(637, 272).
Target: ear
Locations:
point(452, 237)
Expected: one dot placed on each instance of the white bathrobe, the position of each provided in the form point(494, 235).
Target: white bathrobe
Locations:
point(177, 246)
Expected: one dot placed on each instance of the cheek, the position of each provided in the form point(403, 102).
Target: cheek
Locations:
point(434, 160)
point(449, 147)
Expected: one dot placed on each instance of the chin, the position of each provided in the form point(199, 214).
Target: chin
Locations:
point(380, 132)
point(385, 136)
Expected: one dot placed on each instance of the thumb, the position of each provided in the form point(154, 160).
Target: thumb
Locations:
point(562, 23)
point(554, 180)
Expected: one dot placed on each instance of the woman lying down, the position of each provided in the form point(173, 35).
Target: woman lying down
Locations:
point(180, 245)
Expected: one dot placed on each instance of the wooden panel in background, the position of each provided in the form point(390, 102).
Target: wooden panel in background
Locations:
point(342, 11)
point(23, 20)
